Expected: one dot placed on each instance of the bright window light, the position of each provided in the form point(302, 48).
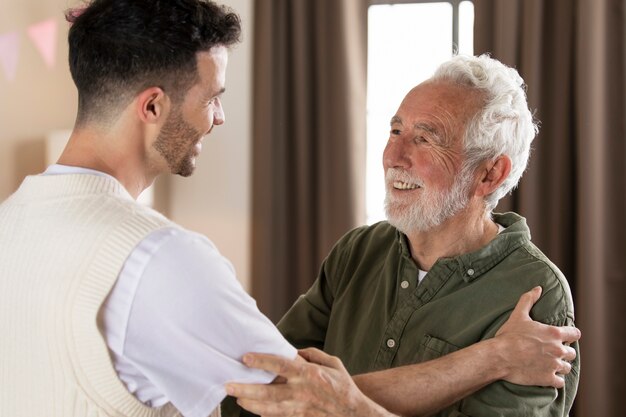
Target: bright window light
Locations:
point(466, 28)
point(406, 43)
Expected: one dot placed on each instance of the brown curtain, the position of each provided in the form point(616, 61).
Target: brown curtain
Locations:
point(572, 55)
point(308, 140)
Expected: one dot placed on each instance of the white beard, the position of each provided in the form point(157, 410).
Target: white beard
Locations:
point(428, 210)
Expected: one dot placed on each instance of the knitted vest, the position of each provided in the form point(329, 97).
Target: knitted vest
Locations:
point(63, 242)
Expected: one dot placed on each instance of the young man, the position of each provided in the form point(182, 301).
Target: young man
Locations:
point(83, 264)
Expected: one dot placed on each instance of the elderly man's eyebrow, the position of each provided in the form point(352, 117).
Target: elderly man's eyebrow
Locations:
point(432, 130)
point(426, 127)
point(395, 119)
point(435, 133)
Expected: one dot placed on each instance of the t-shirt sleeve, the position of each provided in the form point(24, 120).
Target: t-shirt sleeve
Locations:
point(191, 322)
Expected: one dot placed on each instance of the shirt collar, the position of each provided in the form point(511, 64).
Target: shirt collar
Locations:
point(474, 264)
point(59, 169)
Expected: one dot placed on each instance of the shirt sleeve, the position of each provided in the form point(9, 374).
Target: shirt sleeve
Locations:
point(191, 322)
point(305, 324)
point(504, 399)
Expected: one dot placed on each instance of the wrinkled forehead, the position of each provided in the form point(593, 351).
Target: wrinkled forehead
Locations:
point(444, 107)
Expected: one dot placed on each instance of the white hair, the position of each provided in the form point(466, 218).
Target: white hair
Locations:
point(504, 125)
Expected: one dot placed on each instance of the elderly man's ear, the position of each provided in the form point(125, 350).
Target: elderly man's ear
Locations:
point(492, 174)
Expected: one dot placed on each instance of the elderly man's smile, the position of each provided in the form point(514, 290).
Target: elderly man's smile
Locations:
point(400, 185)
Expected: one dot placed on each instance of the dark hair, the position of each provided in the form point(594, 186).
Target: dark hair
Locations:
point(117, 48)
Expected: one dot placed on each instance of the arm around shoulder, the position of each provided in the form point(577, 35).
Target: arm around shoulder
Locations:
point(519, 393)
point(523, 352)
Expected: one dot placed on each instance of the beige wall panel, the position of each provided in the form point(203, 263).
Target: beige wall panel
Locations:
point(40, 100)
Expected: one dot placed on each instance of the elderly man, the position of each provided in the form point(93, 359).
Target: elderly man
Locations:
point(442, 274)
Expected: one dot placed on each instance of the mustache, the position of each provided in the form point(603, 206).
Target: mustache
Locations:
point(398, 174)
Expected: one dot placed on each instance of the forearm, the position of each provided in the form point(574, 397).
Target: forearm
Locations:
point(523, 352)
point(425, 388)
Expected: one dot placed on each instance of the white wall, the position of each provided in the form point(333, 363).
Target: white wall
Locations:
point(39, 99)
point(214, 201)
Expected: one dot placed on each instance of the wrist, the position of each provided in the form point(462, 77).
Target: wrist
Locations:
point(494, 355)
point(499, 362)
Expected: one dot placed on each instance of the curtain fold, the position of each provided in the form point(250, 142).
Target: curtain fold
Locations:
point(308, 140)
point(572, 54)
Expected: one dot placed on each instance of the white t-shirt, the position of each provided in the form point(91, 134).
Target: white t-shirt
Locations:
point(177, 321)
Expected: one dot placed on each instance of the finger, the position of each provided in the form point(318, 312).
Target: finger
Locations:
point(525, 303)
point(264, 408)
point(257, 391)
point(275, 364)
point(321, 358)
point(252, 391)
point(566, 368)
point(558, 381)
point(569, 334)
point(569, 354)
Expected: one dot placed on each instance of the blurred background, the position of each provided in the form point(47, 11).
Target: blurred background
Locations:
point(310, 92)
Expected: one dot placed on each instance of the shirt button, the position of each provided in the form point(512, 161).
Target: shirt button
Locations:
point(404, 284)
point(391, 343)
point(470, 272)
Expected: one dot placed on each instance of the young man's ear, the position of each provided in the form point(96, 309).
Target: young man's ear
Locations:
point(493, 175)
point(152, 105)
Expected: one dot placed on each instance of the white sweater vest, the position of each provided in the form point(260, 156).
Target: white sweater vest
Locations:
point(63, 241)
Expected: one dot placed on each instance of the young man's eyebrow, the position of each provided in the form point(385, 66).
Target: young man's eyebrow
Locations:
point(212, 94)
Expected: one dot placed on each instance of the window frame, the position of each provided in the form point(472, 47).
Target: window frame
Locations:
point(455, 14)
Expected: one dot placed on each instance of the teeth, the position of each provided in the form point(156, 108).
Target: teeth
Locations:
point(399, 185)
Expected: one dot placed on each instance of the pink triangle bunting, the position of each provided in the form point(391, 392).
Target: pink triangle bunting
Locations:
point(44, 36)
point(9, 53)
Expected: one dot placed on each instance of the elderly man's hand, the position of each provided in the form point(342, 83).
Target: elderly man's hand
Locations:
point(319, 386)
point(537, 354)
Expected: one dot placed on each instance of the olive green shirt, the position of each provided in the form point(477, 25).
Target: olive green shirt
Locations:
point(367, 308)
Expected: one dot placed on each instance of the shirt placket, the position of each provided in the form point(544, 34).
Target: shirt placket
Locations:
point(406, 283)
point(414, 298)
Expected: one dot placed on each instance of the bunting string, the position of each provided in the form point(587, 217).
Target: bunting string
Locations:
point(43, 36)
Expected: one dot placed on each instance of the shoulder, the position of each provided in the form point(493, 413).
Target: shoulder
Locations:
point(182, 274)
point(172, 263)
point(368, 238)
point(555, 287)
point(525, 266)
point(359, 252)
point(138, 212)
point(174, 248)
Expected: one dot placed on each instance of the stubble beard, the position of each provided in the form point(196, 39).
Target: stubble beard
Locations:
point(176, 144)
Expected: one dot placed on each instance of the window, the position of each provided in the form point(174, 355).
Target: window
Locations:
point(406, 43)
